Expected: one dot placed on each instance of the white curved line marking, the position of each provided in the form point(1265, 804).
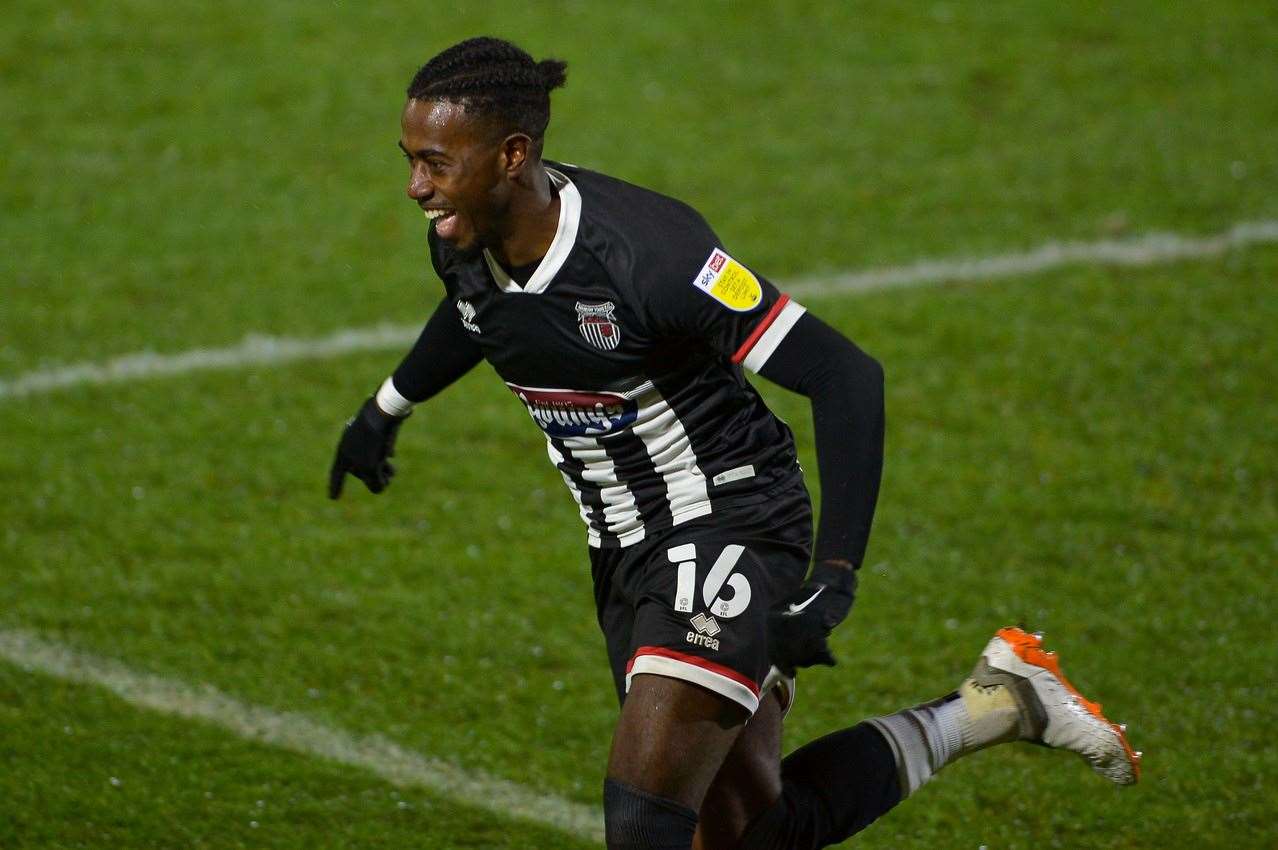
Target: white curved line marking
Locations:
point(256, 350)
point(296, 732)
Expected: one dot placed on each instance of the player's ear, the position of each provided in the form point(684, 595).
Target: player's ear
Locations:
point(514, 153)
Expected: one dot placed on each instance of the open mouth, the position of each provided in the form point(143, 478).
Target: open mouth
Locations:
point(445, 220)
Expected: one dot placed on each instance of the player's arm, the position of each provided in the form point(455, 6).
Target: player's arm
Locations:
point(699, 291)
point(442, 354)
point(696, 290)
point(845, 386)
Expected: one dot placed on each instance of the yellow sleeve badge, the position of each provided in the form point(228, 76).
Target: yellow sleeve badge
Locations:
point(728, 282)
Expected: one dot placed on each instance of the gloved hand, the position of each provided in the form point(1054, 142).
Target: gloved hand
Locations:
point(367, 442)
point(799, 630)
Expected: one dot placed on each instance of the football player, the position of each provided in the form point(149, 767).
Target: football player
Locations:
point(623, 325)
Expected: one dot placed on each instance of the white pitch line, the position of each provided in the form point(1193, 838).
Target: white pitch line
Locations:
point(296, 732)
point(256, 350)
point(1150, 249)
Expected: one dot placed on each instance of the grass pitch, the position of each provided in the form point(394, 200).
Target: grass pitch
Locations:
point(1089, 451)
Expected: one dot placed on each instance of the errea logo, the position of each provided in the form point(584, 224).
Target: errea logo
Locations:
point(706, 628)
point(705, 624)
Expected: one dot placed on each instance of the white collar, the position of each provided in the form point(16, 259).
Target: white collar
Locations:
point(560, 247)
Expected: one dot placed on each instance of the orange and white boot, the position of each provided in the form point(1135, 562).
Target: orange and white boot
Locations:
point(1018, 692)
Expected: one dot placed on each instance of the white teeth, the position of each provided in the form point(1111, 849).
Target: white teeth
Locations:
point(434, 214)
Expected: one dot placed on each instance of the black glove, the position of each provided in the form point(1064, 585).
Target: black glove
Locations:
point(367, 442)
point(799, 629)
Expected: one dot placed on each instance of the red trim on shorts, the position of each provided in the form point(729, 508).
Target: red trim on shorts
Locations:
point(696, 661)
point(760, 329)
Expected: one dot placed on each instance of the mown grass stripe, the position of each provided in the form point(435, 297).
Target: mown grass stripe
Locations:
point(300, 734)
point(258, 350)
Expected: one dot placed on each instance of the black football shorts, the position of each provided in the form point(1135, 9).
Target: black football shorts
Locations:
point(692, 601)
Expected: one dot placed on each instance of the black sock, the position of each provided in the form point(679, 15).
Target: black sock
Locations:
point(637, 820)
point(832, 788)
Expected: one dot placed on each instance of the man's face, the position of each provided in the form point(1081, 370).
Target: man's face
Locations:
point(456, 171)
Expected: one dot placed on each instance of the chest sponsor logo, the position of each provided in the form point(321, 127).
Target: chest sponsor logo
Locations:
point(467, 311)
point(728, 282)
point(569, 413)
point(598, 324)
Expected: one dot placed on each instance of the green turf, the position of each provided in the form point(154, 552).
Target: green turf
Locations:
point(1067, 490)
point(111, 776)
point(1089, 451)
point(179, 174)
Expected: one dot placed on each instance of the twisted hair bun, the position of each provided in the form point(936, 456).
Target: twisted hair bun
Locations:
point(553, 73)
point(496, 79)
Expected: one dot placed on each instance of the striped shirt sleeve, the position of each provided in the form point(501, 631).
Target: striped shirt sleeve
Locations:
point(768, 333)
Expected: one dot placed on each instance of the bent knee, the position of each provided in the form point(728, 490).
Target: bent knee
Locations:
point(726, 814)
point(748, 783)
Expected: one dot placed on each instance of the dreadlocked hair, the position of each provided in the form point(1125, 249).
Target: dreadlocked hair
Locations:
point(495, 80)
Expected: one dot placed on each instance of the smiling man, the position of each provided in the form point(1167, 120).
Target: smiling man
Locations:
point(622, 324)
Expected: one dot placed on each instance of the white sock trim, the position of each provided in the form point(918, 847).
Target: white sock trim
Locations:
point(390, 400)
point(944, 730)
point(909, 745)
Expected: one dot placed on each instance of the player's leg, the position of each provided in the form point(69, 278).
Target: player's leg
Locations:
point(672, 733)
point(839, 784)
point(833, 787)
point(826, 791)
point(1017, 692)
point(697, 659)
point(748, 781)
point(670, 741)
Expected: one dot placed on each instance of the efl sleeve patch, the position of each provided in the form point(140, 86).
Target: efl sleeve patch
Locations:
point(728, 282)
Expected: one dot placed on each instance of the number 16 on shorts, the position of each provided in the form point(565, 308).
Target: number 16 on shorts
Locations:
point(684, 557)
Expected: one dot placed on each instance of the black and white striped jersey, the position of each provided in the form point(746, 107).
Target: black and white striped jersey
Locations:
point(625, 346)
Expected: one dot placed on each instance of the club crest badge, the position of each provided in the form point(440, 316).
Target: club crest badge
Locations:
point(598, 324)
